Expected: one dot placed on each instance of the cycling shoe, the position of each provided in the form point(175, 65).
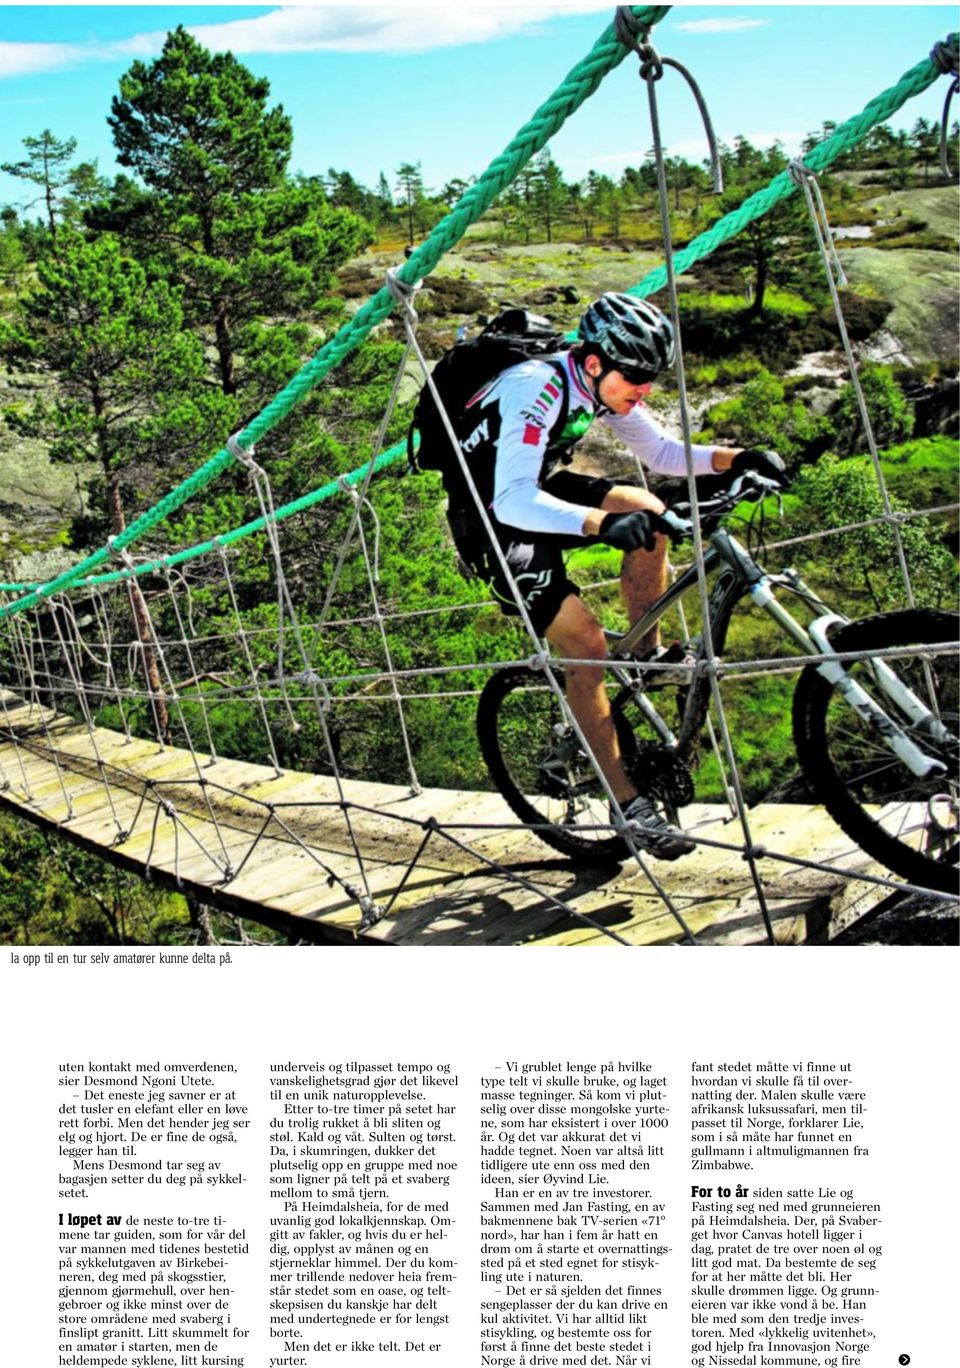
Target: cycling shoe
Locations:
point(651, 832)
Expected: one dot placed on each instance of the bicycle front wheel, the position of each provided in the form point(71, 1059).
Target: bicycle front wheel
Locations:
point(538, 764)
point(907, 823)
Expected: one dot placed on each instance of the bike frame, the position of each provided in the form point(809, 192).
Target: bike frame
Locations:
point(742, 576)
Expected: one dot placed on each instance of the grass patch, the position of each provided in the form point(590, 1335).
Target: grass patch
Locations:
point(923, 472)
point(775, 301)
point(784, 302)
point(729, 372)
point(711, 303)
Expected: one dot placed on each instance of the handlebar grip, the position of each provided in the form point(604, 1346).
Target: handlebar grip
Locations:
point(676, 527)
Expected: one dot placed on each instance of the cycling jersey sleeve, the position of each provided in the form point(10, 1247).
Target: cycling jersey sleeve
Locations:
point(530, 401)
point(653, 447)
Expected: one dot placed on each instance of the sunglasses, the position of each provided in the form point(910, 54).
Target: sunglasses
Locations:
point(636, 377)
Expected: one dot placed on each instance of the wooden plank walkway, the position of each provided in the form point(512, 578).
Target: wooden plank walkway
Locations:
point(272, 848)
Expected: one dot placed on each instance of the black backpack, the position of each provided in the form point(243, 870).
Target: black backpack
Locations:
point(512, 337)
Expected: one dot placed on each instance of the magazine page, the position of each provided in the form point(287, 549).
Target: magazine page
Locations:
point(478, 478)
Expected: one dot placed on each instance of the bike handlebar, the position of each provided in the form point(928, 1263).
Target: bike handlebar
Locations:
point(749, 485)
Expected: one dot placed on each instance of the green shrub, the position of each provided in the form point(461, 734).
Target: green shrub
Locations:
point(760, 415)
point(837, 493)
point(699, 305)
point(919, 242)
point(898, 227)
point(891, 416)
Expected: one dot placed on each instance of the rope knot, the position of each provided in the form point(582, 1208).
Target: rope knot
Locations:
point(538, 661)
point(754, 852)
point(628, 28)
point(120, 553)
point(651, 65)
point(403, 292)
point(945, 56)
point(636, 36)
point(370, 910)
point(799, 172)
point(241, 453)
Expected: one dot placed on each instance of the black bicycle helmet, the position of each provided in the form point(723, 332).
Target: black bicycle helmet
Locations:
point(629, 332)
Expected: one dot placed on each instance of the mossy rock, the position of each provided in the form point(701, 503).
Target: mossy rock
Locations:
point(922, 288)
point(935, 207)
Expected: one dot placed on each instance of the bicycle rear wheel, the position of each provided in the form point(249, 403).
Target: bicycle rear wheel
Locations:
point(538, 764)
point(907, 823)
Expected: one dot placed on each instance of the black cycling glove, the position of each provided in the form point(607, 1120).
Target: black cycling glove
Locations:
point(629, 531)
point(765, 463)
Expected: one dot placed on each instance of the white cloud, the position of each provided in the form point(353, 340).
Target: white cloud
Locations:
point(29, 59)
point(379, 28)
point(307, 28)
point(720, 25)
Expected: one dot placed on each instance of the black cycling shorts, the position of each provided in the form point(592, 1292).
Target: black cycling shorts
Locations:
point(535, 558)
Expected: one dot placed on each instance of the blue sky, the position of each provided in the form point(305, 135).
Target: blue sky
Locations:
point(371, 86)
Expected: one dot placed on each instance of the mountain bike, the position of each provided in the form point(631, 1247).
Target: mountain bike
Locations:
point(875, 731)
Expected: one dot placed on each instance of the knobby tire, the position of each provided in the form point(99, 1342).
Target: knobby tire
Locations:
point(850, 771)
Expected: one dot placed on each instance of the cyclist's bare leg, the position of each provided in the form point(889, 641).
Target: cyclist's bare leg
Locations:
point(644, 574)
point(576, 634)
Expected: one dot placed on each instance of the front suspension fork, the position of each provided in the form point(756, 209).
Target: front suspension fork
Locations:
point(814, 641)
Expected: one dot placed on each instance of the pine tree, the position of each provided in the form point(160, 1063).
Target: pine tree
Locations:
point(776, 242)
point(47, 165)
point(13, 258)
point(411, 190)
point(550, 195)
point(222, 217)
point(128, 383)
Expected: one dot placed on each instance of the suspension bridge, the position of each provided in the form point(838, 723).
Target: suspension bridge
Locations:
point(113, 689)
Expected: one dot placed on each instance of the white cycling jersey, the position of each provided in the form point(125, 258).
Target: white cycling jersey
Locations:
point(528, 402)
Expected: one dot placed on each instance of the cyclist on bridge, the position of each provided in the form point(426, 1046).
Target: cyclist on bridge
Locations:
point(521, 429)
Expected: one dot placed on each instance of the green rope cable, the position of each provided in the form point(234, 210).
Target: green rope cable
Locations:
point(607, 54)
point(914, 82)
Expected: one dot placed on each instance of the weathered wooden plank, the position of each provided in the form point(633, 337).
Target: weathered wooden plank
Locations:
point(451, 896)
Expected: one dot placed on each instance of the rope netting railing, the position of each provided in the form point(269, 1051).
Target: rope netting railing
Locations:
point(78, 647)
